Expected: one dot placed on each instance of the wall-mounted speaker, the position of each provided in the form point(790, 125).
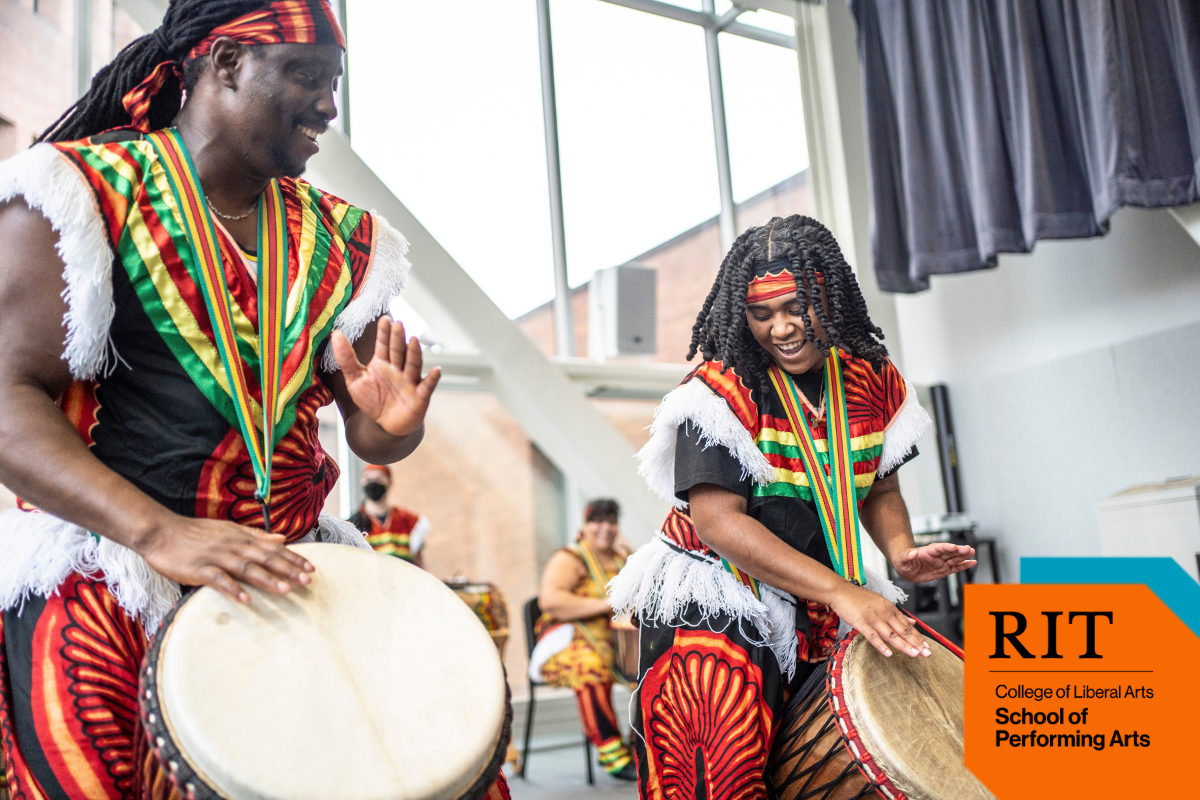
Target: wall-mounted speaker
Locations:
point(623, 312)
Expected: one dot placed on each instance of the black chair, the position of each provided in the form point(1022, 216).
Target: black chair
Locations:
point(532, 612)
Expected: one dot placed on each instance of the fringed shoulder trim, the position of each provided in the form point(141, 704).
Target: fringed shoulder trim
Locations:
point(386, 278)
point(49, 184)
point(903, 430)
point(696, 403)
point(732, 389)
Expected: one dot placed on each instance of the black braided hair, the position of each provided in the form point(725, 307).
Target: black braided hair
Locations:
point(721, 331)
point(186, 24)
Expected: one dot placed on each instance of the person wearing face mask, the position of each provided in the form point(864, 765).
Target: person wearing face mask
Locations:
point(389, 529)
point(575, 640)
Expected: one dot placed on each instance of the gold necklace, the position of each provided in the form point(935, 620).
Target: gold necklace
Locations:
point(227, 216)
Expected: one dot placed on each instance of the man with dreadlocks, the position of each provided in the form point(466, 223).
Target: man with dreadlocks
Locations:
point(771, 451)
point(177, 307)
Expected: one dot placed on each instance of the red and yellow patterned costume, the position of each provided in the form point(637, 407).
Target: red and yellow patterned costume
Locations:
point(718, 652)
point(585, 664)
point(151, 402)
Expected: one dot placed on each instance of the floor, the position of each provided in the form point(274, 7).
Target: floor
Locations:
point(556, 765)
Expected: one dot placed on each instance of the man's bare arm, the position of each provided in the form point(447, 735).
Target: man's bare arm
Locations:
point(44, 460)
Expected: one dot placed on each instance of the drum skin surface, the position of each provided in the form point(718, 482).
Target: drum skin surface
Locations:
point(375, 682)
point(900, 717)
point(909, 714)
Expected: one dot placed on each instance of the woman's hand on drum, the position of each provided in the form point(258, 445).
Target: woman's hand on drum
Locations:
point(877, 619)
point(216, 553)
point(933, 561)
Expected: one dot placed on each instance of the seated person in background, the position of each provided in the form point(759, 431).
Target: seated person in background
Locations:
point(389, 529)
point(575, 646)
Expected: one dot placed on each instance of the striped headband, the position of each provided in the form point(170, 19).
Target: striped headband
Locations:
point(774, 280)
point(280, 22)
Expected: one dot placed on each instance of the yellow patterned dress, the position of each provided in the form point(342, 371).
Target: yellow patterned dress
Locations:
point(586, 664)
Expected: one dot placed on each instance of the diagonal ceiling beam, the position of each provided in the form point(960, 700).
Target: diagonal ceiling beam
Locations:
point(553, 412)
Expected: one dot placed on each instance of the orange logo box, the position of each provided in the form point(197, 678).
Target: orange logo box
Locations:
point(1079, 691)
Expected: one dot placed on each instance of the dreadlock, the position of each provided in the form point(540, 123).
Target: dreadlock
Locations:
point(721, 332)
point(184, 25)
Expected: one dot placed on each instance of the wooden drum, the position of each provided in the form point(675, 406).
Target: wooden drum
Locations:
point(487, 601)
point(625, 650)
point(374, 682)
point(870, 726)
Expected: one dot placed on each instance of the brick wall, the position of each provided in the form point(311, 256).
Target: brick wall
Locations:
point(37, 68)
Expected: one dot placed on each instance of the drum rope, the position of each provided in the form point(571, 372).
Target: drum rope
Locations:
point(797, 754)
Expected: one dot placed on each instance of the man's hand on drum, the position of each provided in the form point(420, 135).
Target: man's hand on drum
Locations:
point(884, 625)
point(388, 388)
point(933, 561)
point(220, 554)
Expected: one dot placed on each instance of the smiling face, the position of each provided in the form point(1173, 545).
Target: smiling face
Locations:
point(601, 534)
point(282, 100)
point(777, 325)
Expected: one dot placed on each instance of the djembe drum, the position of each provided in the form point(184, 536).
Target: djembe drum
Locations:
point(374, 682)
point(870, 726)
point(625, 650)
point(487, 601)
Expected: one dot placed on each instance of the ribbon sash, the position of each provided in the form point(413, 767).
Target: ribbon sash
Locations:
point(836, 503)
point(272, 300)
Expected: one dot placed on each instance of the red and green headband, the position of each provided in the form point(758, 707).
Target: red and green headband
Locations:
point(774, 280)
point(280, 22)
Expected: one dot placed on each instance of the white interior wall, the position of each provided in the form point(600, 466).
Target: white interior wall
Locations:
point(1074, 372)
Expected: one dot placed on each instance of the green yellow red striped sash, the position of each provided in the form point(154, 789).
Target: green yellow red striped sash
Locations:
point(743, 578)
point(600, 576)
point(272, 299)
point(836, 504)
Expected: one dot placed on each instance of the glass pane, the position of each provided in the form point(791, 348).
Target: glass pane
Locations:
point(636, 131)
point(763, 114)
point(447, 109)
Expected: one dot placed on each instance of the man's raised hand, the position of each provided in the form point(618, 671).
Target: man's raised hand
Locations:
point(389, 388)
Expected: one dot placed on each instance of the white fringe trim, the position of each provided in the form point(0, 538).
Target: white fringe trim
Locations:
point(49, 184)
point(41, 551)
point(694, 402)
point(910, 424)
point(553, 642)
point(658, 582)
point(332, 530)
point(386, 279)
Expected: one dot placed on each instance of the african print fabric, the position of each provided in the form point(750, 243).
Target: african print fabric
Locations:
point(401, 533)
point(69, 721)
point(588, 659)
point(150, 401)
point(706, 708)
point(586, 663)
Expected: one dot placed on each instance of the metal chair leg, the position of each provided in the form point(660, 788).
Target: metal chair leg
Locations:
point(528, 733)
point(587, 754)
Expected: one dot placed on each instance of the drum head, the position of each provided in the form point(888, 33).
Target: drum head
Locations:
point(375, 682)
point(909, 715)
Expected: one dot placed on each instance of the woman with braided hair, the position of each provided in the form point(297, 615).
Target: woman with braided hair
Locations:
point(177, 307)
point(772, 451)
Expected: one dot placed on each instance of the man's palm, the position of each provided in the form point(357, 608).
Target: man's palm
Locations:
point(389, 388)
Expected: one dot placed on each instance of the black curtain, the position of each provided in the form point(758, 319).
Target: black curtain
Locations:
point(994, 123)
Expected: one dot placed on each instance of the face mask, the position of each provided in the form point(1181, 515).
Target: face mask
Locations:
point(375, 491)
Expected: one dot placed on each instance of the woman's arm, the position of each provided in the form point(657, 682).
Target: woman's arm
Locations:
point(885, 516)
point(722, 523)
point(558, 599)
